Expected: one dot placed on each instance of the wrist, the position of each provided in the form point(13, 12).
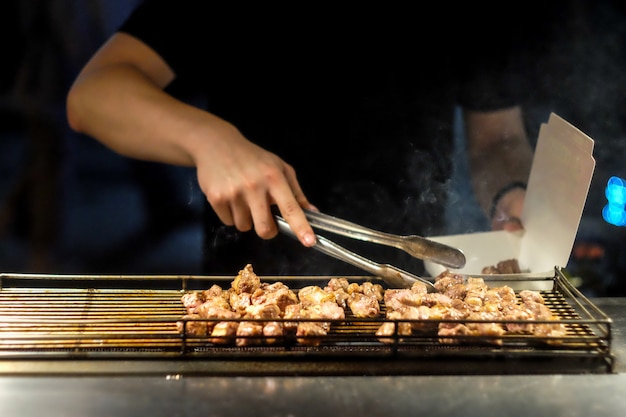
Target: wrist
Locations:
point(502, 193)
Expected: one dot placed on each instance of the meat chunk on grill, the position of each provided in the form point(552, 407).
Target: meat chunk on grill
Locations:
point(362, 305)
point(314, 294)
point(277, 294)
point(246, 281)
point(193, 327)
point(249, 333)
point(224, 332)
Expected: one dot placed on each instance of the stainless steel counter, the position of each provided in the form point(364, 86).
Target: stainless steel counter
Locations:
point(174, 395)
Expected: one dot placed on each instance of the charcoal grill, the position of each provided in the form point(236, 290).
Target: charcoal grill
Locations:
point(77, 324)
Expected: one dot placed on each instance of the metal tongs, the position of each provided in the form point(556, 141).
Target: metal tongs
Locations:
point(416, 246)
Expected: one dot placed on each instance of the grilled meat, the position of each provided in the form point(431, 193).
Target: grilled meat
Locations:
point(251, 312)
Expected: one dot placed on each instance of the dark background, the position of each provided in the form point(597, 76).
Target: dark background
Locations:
point(69, 205)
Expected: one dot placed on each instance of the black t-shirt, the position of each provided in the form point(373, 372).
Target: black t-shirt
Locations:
point(359, 101)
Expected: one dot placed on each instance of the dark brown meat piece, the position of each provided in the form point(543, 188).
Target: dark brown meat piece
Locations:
point(362, 305)
point(396, 299)
point(447, 279)
point(507, 266)
point(224, 332)
point(277, 293)
point(310, 333)
point(312, 294)
point(249, 333)
point(193, 328)
point(273, 332)
point(191, 300)
point(246, 281)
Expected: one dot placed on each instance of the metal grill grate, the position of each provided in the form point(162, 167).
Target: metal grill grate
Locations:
point(75, 317)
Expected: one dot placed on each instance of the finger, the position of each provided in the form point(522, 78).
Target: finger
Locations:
point(298, 194)
point(223, 213)
point(241, 215)
point(292, 212)
point(263, 219)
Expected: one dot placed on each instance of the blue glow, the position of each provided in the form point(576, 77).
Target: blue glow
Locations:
point(614, 214)
point(615, 192)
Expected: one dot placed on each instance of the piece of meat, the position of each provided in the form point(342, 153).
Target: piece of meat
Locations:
point(215, 291)
point(193, 328)
point(246, 281)
point(488, 331)
point(531, 296)
point(310, 333)
point(516, 313)
point(277, 293)
point(372, 290)
point(326, 310)
point(553, 331)
point(217, 301)
point(419, 317)
point(239, 302)
point(509, 266)
point(396, 298)
point(335, 284)
point(507, 295)
point(419, 288)
point(446, 279)
point(249, 333)
point(435, 298)
point(191, 300)
point(209, 311)
point(390, 328)
point(314, 294)
point(262, 312)
point(456, 291)
point(450, 333)
point(363, 306)
point(490, 270)
point(338, 287)
point(273, 331)
point(224, 332)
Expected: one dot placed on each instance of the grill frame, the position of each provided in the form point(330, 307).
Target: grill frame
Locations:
point(65, 345)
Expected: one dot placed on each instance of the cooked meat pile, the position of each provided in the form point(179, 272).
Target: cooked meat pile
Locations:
point(252, 312)
point(489, 312)
point(508, 266)
point(250, 308)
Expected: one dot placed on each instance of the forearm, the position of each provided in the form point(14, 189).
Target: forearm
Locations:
point(136, 118)
point(499, 154)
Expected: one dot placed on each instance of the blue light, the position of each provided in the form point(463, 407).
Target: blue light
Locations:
point(614, 214)
point(615, 192)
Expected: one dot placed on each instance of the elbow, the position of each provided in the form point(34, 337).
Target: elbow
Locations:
point(72, 109)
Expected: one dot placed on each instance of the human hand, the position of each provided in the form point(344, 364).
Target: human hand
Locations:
point(242, 181)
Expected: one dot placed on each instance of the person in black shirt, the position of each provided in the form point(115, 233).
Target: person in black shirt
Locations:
point(346, 112)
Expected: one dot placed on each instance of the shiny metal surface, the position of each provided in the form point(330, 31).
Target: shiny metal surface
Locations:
point(507, 395)
point(552, 395)
point(416, 246)
point(393, 276)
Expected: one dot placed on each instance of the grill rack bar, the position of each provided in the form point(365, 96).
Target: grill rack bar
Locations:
point(72, 317)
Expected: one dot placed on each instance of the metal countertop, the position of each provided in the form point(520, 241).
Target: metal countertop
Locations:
point(173, 395)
